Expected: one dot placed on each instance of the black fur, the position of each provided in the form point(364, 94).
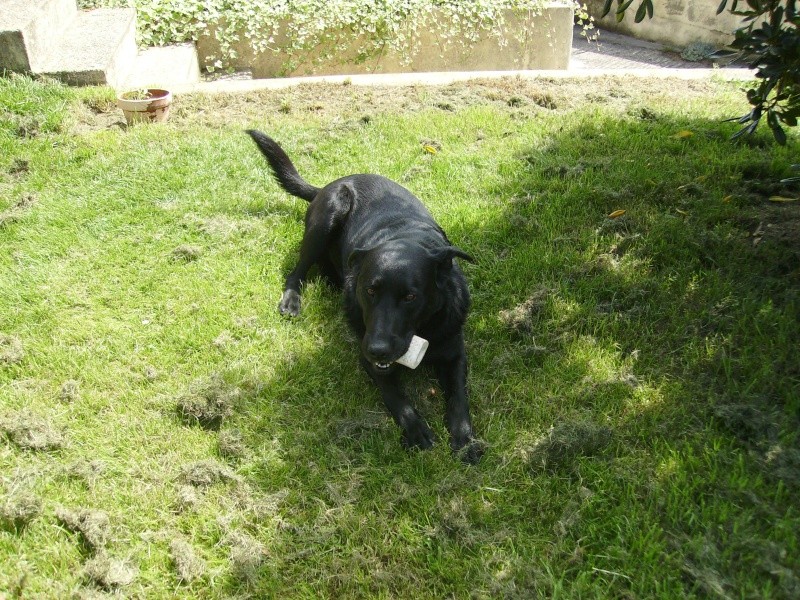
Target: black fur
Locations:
point(399, 278)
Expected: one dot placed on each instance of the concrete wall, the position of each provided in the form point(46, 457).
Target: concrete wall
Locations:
point(29, 30)
point(675, 23)
point(533, 42)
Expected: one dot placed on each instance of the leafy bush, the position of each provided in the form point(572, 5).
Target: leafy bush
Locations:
point(768, 39)
point(331, 25)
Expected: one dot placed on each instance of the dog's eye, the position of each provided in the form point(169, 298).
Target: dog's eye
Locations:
point(410, 298)
point(370, 291)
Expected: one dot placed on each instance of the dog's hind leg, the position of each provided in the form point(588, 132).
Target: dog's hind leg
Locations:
point(323, 217)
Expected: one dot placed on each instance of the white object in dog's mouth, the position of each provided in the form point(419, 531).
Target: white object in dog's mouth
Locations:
point(415, 353)
point(412, 357)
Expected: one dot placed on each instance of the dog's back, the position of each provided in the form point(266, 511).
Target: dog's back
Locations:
point(378, 209)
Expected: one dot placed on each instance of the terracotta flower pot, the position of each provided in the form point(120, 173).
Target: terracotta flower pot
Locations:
point(145, 106)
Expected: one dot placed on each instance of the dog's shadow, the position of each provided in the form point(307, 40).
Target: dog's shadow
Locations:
point(317, 403)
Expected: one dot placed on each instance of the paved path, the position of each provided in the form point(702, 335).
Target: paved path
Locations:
point(616, 51)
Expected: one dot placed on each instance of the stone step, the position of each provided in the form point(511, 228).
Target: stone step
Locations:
point(97, 48)
point(28, 31)
point(165, 67)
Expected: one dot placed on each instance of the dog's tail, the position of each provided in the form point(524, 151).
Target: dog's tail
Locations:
point(282, 168)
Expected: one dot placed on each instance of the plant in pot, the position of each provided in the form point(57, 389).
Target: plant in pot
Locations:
point(148, 105)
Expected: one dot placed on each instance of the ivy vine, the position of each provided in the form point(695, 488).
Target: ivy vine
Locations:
point(326, 28)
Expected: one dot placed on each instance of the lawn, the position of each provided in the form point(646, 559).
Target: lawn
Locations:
point(165, 433)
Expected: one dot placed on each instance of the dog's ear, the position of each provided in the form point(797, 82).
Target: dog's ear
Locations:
point(444, 256)
point(355, 258)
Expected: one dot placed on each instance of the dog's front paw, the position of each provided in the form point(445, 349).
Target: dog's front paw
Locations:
point(290, 303)
point(470, 450)
point(418, 435)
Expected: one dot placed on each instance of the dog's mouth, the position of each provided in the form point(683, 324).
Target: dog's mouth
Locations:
point(382, 366)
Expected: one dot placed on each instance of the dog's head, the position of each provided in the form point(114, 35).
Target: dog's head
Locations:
point(399, 286)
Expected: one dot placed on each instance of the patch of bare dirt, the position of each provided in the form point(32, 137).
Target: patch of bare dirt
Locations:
point(354, 106)
point(96, 115)
point(779, 223)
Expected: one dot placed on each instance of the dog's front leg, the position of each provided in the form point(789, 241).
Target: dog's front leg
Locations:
point(452, 375)
point(416, 433)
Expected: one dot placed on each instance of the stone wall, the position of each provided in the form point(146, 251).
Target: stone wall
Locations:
point(675, 23)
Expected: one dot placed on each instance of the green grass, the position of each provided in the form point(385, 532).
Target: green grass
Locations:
point(635, 378)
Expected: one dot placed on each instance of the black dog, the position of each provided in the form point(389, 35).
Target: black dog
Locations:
point(378, 242)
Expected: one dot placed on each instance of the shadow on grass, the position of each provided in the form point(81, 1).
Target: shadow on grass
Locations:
point(646, 284)
point(633, 374)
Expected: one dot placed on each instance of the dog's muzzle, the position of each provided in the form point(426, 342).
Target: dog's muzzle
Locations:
point(380, 353)
point(411, 358)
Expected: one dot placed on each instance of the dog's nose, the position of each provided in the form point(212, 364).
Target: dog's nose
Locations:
point(378, 350)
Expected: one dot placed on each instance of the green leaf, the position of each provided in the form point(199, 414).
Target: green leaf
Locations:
point(641, 13)
point(621, 10)
point(775, 126)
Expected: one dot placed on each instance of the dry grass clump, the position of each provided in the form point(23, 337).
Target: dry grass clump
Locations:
point(231, 444)
point(94, 529)
point(208, 404)
point(187, 498)
point(783, 463)
point(187, 253)
point(247, 553)
point(70, 391)
point(11, 350)
point(222, 227)
point(204, 473)
point(86, 471)
point(188, 565)
point(31, 433)
point(109, 573)
point(522, 318)
point(749, 423)
point(93, 526)
point(566, 442)
point(18, 509)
